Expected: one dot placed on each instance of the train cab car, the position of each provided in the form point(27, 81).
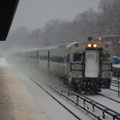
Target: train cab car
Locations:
point(85, 66)
point(91, 67)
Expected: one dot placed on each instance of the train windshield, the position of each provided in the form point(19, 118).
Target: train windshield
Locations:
point(77, 57)
point(91, 63)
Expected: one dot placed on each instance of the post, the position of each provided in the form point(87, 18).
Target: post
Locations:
point(118, 84)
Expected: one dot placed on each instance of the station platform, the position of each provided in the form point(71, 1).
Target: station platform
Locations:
point(16, 102)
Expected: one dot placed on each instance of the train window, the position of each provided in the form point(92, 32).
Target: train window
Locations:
point(91, 56)
point(42, 57)
point(66, 59)
point(59, 59)
point(77, 57)
point(106, 57)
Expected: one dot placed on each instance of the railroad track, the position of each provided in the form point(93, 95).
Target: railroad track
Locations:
point(108, 98)
point(56, 99)
point(114, 83)
point(113, 90)
point(87, 103)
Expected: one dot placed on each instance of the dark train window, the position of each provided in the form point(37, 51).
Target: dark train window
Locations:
point(106, 57)
point(77, 57)
point(59, 59)
point(43, 57)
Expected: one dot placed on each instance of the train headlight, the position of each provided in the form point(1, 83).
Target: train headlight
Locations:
point(89, 45)
point(94, 45)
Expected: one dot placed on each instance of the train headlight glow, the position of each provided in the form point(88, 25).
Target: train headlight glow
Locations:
point(94, 45)
point(89, 45)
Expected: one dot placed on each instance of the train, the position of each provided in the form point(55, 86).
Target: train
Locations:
point(85, 66)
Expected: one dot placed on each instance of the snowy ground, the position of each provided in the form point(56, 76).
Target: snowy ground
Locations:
point(53, 109)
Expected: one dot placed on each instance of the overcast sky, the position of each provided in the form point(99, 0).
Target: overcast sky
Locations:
point(35, 13)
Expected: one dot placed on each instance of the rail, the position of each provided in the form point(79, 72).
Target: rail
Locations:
point(105, 110)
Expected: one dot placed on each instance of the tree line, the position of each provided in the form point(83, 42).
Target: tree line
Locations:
point(89, 23)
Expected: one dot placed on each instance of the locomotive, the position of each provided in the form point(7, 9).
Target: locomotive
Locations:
point(85, 66)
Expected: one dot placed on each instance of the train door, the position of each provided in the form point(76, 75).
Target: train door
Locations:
point(92, 63)
point(37, 57)
point(48, 59)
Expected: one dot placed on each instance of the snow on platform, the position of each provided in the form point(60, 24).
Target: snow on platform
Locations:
point(16, 103)
point(3, 63)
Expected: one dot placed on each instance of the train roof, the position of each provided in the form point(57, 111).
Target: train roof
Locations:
point(67, 45)
point(71, 44)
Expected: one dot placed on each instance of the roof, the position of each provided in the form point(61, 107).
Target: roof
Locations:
point(7, 11)
point(66, 45)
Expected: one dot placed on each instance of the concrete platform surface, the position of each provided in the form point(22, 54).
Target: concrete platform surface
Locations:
point(16, 103)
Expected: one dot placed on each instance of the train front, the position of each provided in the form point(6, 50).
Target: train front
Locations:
point(96, 67)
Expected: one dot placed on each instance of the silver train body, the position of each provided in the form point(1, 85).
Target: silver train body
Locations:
point(85, 66)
